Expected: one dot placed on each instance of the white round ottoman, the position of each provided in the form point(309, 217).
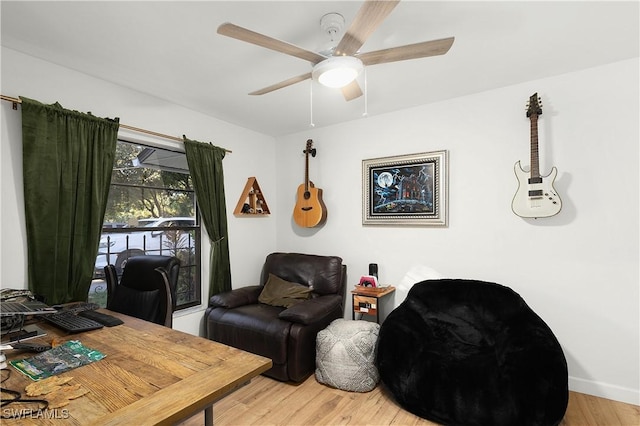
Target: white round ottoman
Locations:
point(345, 355)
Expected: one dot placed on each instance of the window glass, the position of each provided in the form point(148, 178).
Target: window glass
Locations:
point(151, 209)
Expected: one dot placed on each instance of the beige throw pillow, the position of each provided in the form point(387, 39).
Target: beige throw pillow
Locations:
point(278, 292)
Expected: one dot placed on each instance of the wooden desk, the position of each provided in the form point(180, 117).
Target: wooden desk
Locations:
point(151, 375)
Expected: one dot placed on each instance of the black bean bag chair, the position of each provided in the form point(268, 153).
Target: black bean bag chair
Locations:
point(465, 352)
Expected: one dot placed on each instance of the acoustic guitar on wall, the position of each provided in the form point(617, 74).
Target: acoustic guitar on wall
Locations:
point(536, 197)
point(310, 210)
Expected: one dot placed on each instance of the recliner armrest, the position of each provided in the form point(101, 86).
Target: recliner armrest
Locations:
point(313, 310)
point(237, 297)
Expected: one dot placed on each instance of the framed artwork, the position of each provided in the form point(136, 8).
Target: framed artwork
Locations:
point(405, 190)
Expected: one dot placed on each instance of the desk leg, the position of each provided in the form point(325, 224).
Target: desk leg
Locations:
point(208, 416)
point(353, 307)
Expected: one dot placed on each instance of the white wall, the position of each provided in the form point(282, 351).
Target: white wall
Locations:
point(253, 155)
point(578, 270)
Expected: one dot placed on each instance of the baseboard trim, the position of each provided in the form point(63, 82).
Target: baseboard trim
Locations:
point(605, 390)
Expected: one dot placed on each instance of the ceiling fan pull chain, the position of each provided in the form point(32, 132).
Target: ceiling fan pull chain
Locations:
point(311, 123)
point(366, 112)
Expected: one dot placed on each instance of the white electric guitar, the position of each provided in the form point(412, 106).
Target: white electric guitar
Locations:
point(536, 197)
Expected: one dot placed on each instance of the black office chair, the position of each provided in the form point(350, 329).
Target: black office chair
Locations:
point(147, 289)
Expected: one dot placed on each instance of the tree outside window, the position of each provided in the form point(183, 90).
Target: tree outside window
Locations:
point(151, 209)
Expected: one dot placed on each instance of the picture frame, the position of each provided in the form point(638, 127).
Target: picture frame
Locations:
point(406, 189)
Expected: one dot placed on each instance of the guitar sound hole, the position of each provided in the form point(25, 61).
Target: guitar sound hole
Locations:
point(307, 195)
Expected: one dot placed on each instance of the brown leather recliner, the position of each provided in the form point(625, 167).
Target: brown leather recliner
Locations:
point(285, 335)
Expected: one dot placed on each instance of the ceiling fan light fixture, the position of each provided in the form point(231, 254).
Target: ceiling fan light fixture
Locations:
point(337, 71)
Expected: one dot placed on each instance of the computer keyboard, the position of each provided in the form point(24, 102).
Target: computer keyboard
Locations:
point(69, 321)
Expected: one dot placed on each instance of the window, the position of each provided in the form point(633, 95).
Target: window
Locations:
point(151, 210)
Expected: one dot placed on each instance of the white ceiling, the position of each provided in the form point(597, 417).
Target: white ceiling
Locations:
point(171, 50)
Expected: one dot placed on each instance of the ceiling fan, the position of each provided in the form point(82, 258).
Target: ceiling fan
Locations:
point(345, 58)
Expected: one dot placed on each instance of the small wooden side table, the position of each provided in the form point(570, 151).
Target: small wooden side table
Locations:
point(366, 300)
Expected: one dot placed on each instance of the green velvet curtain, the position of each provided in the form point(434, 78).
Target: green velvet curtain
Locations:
point(205, 166)
point(67, 163)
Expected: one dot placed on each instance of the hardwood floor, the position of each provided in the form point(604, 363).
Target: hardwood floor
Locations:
point(268, 402)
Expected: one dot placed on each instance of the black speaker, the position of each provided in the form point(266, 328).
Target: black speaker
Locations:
point(373, 269)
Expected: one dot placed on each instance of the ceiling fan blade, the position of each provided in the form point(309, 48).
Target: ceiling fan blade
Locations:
point(409, 51)
point(352, 91)
point(243, 34)
point(368, 18)
point(285, 83)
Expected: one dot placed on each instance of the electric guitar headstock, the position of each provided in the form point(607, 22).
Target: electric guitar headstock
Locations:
point(534, 106)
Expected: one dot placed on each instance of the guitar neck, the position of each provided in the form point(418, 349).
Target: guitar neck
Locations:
point(535, 167)
point(306, 171)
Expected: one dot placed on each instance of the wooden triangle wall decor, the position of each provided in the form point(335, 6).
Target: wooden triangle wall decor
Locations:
point(251, 202)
